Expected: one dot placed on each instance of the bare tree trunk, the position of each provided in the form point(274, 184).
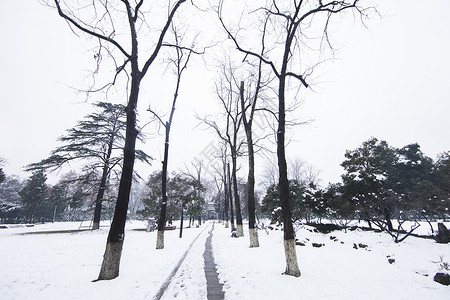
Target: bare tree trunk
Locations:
point(230, 198)
point(101, 189)
point(182, 219)
point(237, 202)
point(225, 190)
point(113, 252)
point(289, 234)
point(162, 213)
point(253, 233)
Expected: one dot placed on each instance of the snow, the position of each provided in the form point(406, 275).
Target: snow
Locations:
point(63, 265)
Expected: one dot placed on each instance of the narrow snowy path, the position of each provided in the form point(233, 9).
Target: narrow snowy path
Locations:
point(195, 276)
point(166, 284)
point(214, 288)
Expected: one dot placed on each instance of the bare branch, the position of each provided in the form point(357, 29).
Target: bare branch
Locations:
point(88, 31)
point(136, 10)
point(299, 77)
point(161, 37)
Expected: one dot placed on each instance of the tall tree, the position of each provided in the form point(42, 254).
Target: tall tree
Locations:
point(180, 62)
point(230, 198)
point(96, 142)
point(101, 20)
point(226, 195)
point(290, 21)
point(227, 91)
point(253, 233)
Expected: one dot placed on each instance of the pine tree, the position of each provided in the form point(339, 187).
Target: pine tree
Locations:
point(97, 141)
point(34, 196)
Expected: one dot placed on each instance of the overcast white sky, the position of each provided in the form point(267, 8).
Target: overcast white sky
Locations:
point(390, 81)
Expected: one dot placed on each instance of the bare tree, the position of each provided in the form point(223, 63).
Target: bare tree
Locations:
point(296, 166)
point(180, 62)
point(248, 106)
point(269, 173)
point(302, 171)
point(222, 174)
point(97, 20)
point(289, 21)
point(225, 189)
point(227, 92)
point(230, 197)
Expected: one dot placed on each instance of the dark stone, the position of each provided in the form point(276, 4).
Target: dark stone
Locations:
point(362, 245)
point(443, 234)
point(324, 228)
point(316, 245)
point(391, 260)
point(333, 238)
point(442, 278)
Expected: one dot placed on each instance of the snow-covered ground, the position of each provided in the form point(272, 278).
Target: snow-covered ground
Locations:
point(63, 265)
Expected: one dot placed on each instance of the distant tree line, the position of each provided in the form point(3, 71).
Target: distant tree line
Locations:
point(34, 200)
point(73, 198)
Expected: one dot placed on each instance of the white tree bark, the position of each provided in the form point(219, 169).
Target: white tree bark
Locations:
point(240, 230)
point(111, 261)
point(160, 240)
point(254, 242)
point(291, 258)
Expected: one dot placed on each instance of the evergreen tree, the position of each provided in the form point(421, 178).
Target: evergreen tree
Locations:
point(439, 206)
point(414, 180)
point(10, 201)
point(2, 175)
point(370, 179)
point(382, 183)
point(34, 197)
point(97, 141)
point(306, 201)
point(57, 200)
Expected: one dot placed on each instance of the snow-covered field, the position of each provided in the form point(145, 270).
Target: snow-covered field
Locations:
point(63, 265)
